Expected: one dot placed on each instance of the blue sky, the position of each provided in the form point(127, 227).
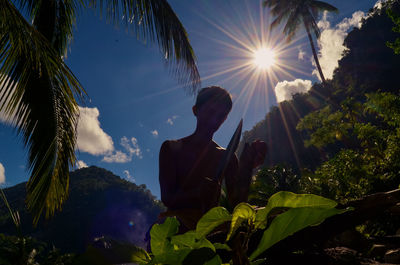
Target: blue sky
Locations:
point(135, 104)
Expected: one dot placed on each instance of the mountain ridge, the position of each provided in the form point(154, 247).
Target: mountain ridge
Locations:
point(99, 204)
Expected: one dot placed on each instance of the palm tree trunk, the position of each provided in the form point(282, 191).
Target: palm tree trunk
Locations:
point(314, 53)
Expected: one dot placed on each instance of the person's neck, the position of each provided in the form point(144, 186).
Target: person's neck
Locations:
point(202, 136)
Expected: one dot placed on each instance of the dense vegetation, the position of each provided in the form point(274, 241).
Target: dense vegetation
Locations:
point(99, 204)
point(341, 139)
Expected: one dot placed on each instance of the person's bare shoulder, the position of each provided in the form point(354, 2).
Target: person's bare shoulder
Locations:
point(171, 146)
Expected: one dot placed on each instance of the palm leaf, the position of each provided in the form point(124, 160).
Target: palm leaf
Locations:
point(295, 11)
point(292, 24)
point(58, 16)
point(38, 94)
point(278, 19)
point(154, 20)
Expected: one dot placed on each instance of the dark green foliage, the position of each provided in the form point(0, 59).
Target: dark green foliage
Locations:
point(99, 203)
point(371, 134)
point(347, 143)
point(29, 251)
point(396, 20)
point(271, 180)
point(194, 247)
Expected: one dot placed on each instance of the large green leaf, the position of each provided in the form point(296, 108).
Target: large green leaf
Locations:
point(199, 256)
point(242, 212)
point(189, 240)
point(290, 222)
point(213, 218)
point(160, 236)
point(173, 257)
point(140, 256)
point(214, 261)
point(259, 262)
point(285, 199)
point(222, 246)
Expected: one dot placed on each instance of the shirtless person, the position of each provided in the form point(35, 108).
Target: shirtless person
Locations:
point(188, 165)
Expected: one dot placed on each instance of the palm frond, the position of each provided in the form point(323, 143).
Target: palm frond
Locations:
point(154, 20)
point(58, 16)
point(294, 11)
point(278, 19)
point(38, 93)
point(292, 24)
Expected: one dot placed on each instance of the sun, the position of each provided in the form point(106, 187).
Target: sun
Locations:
point(264, 58)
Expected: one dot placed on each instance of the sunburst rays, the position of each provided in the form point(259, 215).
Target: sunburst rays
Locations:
point(251, 57)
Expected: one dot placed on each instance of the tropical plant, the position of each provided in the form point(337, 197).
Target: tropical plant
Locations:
point(369, 134)
point(396, 20)
point(297, 12)
point(20, 250)
point(268, 181)
point(193, 247)
point(38, 91)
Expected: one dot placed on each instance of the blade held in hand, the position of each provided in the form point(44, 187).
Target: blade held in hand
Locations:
point(230, 151)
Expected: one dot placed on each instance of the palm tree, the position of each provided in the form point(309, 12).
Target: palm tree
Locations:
point(39, 93)
point(297, 12)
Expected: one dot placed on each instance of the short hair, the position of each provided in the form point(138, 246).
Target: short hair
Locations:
point(215, 94)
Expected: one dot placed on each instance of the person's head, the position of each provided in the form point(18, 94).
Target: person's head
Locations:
point(212, 106)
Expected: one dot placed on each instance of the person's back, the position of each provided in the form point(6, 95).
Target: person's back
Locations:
point(188, 165)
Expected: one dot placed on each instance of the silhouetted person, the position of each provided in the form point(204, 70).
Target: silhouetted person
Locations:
point(188, 165)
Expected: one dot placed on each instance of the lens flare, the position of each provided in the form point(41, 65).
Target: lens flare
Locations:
point(264, 58)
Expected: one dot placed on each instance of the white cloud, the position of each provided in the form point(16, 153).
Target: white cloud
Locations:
point(131, 146)
point(286, 89)
point(91, 137)
point(330, 43)
point(2, 174)
point(301, 54)
point(131, 149)
point(154, 133)
point(117, 157)
point(81, 164)
point(379, 4)
point(170, 121)
point(128, 176)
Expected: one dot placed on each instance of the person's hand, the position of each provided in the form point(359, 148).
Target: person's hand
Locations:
point(253, 154)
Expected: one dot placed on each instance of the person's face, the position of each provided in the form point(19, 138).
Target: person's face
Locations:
point(210, 115)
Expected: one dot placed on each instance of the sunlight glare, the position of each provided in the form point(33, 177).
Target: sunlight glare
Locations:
point(264, 58)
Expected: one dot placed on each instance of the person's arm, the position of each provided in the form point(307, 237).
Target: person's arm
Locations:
point(167, 174)
point(239, 173)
